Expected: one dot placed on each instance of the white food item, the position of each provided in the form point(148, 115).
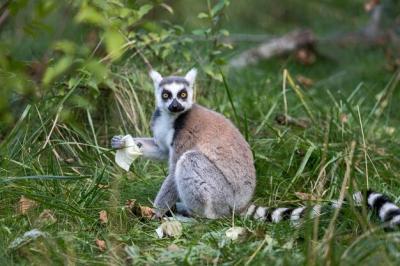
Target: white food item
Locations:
point(169, 228)
point(125, 156)
point(26, 238)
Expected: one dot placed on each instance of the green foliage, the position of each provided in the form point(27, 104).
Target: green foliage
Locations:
point(214, 34)
point(85, 40)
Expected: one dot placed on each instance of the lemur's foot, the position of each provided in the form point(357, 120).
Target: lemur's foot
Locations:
point(117, 142)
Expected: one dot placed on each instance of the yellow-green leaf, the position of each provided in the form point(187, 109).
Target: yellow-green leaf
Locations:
point(57, 69)
point(90, 15)
point(114, 42)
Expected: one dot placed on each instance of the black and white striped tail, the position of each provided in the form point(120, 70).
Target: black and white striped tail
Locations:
point(387, 211)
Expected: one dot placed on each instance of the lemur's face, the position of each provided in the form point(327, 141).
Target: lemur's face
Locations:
point(174, 94)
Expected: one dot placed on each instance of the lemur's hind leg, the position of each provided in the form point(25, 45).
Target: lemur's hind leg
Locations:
point(202, 187)
point(180, 208)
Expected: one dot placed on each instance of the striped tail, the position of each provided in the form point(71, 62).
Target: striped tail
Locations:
point(387, 211)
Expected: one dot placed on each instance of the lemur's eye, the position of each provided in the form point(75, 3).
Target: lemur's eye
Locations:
point(183, 94)
point(165, 95)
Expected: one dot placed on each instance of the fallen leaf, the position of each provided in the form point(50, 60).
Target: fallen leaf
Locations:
point(101, 244)
point(344, 118)
point(235, 233)
point(173, 248)
point(303, 80)
point(25, 204)
point(305, 56)
point(139, 210)
point(371, 4)
point(169, 229)
point(146, 212)
point(103, 218)
point(130, 204)
point(46, 217)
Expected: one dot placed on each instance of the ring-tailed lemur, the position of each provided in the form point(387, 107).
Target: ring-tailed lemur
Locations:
point(211, 169)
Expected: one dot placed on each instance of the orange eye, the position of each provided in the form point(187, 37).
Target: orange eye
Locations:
point(183, 95)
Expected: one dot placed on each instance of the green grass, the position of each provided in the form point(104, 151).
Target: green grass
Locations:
point(288, 160)
point(58, 154)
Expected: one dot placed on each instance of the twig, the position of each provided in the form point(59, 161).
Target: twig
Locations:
point(274, 47)
point(283, 119)
point(4, 12)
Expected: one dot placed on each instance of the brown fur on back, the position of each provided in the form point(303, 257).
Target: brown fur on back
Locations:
point(220, 141)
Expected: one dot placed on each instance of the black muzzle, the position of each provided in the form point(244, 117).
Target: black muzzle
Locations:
point(175, 107)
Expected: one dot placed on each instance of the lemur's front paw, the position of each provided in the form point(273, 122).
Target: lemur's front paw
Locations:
point(117, 142)
point(158, 214)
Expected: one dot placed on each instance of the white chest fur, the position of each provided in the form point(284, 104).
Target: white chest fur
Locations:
point(163, 131)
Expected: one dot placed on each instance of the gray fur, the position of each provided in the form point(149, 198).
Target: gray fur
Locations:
point(173, 79)
point(202, 187)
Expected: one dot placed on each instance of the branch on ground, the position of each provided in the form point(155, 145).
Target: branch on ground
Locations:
point(274, 47)
point(373, 33)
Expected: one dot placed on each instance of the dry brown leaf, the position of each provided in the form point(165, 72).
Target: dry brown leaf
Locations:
point(103, 218)
point(130, 204)
point(138, 210)
point(46, 217)
point(25, 204)
point(344, 118)
point(305, 56)
point(173, 248)
point(305, 196)
point(303, 80)
point(101, 244)
point(146, 212)
point(368, 6)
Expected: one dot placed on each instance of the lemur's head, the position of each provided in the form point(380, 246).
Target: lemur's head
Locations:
point(174, 94)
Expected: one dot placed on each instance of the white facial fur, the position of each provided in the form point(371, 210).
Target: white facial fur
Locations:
point(174, 85)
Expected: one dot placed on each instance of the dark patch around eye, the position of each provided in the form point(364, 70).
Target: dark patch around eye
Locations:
point(165, 94)
point(182, 94)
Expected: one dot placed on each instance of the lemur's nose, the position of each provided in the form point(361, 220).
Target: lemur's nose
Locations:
point(175, 106)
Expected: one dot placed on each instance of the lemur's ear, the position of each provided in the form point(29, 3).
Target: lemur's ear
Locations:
point(191, 76)
point(156, 77)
